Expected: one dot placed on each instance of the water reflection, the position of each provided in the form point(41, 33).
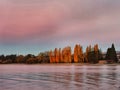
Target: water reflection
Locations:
point(61, 77)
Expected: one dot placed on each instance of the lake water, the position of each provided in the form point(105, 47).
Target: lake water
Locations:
point(59, 77)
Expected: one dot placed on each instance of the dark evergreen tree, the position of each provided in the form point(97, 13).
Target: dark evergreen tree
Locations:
point(94, 57)
point(111, 54)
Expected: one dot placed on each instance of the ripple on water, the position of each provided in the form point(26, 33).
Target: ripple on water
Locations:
point(60, 78)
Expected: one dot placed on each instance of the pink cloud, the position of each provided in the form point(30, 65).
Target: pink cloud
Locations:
point(22, 22)
point(59, 21)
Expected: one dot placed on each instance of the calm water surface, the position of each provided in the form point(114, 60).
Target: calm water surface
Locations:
point(59, 77)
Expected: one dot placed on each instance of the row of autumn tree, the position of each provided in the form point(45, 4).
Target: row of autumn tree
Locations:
point(92, 55)
point(65, 55)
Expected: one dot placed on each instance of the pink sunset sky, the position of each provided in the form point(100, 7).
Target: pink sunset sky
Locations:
point(32, 26)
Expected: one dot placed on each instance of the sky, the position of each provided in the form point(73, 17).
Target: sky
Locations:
point(33, 26)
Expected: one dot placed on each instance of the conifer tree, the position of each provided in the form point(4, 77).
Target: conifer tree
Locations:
point(111, 54)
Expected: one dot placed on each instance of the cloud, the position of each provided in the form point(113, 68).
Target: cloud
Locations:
point(59, 22)
point(24, 22)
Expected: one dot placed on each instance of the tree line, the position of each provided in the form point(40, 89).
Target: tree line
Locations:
point(65, 55)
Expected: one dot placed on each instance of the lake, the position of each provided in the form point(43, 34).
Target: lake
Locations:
point(59, 77)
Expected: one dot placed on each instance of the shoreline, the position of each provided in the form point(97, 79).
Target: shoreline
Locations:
point(66, 64)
